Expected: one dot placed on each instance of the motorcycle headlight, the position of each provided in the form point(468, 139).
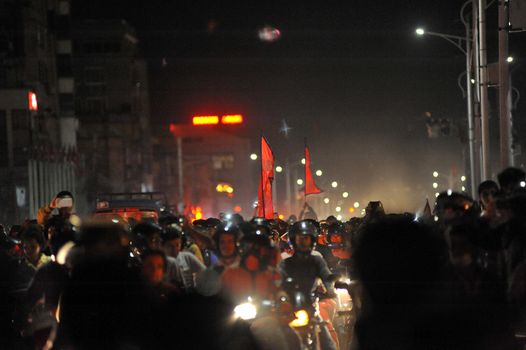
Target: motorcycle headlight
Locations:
point(245, 311)
point(302, 319)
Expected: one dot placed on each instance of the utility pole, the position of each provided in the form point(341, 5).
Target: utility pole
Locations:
point(484, 107)
point(506, 158)
point(180, 208)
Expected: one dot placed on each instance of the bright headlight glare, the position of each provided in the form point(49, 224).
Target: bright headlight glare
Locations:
point(302, 319)
point(245, 311)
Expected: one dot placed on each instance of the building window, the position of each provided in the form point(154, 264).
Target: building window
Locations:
point(222, 162)
point(95, 106)
point(19, 119)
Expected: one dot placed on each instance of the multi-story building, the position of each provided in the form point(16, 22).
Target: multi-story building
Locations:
point(112, 105)
point(37, 119)
point(217, 173)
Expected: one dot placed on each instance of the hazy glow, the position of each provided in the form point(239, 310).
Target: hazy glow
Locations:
point(339, 217)
point(437, 194)
point(462, 178)
point(338, 209)
point(253, 156)
point(205, 120)
point(279, 169)
point(435, 173)
point(435, 185)
point(509, 59)
point(326, 200)
point(299, 182)
point(232, 119)
point(463, 189)
point(523, 184)
point(420, 31)
point(334, 184)
point(303, 161)
point(319, 172)
point(356, 204)
point(345, 194)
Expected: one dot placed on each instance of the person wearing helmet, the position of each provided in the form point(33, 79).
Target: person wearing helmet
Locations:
point(226, 242)
point(148, 235)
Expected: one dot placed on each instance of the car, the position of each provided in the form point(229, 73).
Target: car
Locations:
point(130, 207)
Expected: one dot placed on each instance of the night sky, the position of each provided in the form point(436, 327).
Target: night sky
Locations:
point(350, 76)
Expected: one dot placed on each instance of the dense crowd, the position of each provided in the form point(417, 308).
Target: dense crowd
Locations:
point(451, 278)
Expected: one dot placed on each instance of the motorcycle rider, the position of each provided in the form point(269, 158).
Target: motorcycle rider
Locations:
point(304, 269)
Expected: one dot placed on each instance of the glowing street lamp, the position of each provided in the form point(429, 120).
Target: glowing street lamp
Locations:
point(303, 161)
point(254, 156)
point(509, 59)
point(345, 194)
point(462, 178)
point(356, 204)
point(338, 209)
point(279, 169)
point(435, 173)
point(435, 185)
point(334, 184)
point(326, 200)
point(420, 31)
point(319, 172)
point(299, 182)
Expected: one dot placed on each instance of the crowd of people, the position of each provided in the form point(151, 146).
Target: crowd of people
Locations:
point(451, 278)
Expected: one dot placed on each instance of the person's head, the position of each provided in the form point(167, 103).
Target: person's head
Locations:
point(258, 251)
point(102, 239)
point(64, 203)
point(153, 266)
point(172, 242)
point(32, 243)
point(510, 179)
point(487, 191)
point(303, 235)
point(339, 241)
point(452, 207)
point(149, 233)
point(374, 210)
point(225, 238)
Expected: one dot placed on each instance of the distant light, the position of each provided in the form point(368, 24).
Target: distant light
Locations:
point(356, 204)
point(435, 185)
point(339, 217)
point(229, 189)
point(253, 156)
point(303, 161)
point(462, 178)
point(509, 59)
point(172, 128)
point(232, 119)
point(351, 210)
point(463, 189)
point(219, 188)
point(115, 221)
point(363, 211)
point(472, 81)
point(435, 173)
point(345, 194)
point(281, 216)
point(437, 194)
point(326, 200)
point(420, 31)
point(299, 182)
point(205, 120)
point(319, 172)
point(436, 218)
point(334, 184)
point(279, 169)
point(449, 192)
point(523, 184)
point(237, 209)
point(338, 209)
point(32, 101)
point(269, 34)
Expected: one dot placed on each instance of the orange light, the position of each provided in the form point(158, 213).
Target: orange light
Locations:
point(205, 120)
point(351, 210)
point(198, 213)
point(32, 101)
point(237, 209)
point(281, 216)
point(232, 119)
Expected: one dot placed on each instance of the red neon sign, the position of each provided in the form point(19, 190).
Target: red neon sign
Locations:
point(205, 120)
point(32, 101)
point(232, 119)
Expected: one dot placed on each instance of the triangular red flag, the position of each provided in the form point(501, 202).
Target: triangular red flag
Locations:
point(265, 206)
point(427, 210)
point(310, 186)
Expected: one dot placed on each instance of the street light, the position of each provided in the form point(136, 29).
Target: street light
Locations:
point(345, 194)
point(338, 209)
point(457, 41)
point(303, 161)
point(253, 156)
point(319, 172)
point(356, 204)
point(279, 169)
point(435, 173)
point(462, 178)
point(299, 182)
point(435, 185)
point(334, 184)
point(509, 59)
point(326, 200)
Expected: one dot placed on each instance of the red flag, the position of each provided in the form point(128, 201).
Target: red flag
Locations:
point(310, 186)
point(265, 207)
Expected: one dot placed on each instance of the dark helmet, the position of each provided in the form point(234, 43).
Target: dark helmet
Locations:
point(338, 230)
point(145, 229)
point(304, 228)
point(451, 206)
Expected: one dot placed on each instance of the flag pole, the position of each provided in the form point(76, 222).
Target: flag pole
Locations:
point(262, 184)
point(305, 170)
